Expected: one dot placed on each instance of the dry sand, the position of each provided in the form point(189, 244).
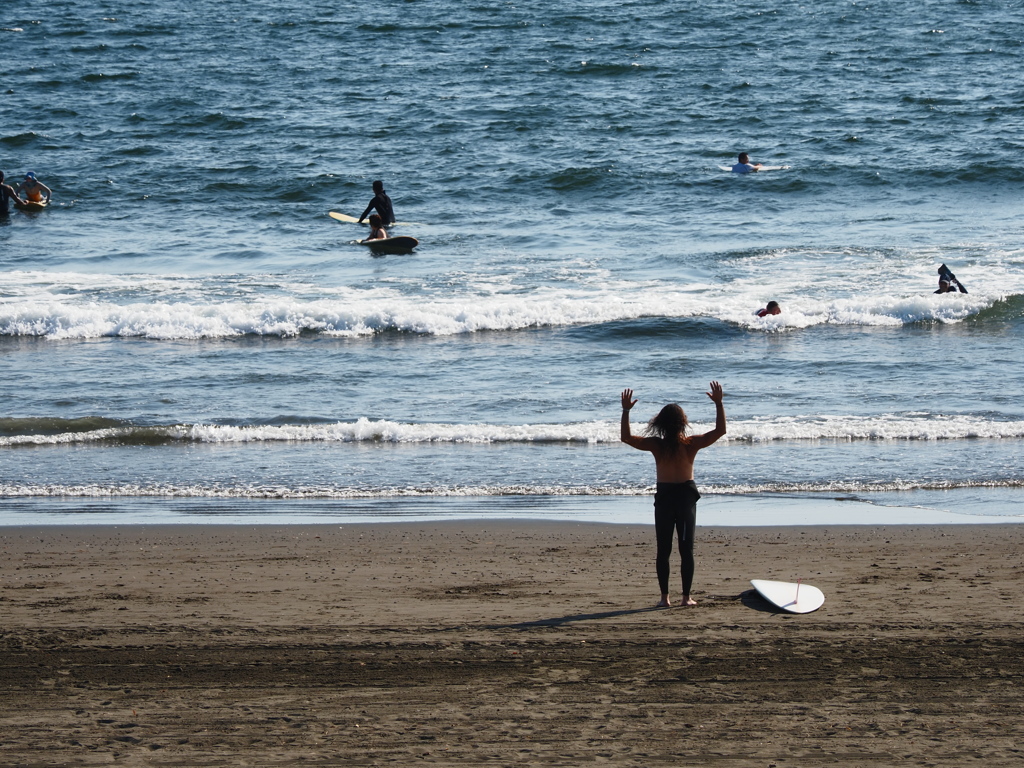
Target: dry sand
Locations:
point(511, 643)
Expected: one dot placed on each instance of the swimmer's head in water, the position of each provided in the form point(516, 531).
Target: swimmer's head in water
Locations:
point(378, 186)
point(772, 305)
point(744, 157)
point(670, 425)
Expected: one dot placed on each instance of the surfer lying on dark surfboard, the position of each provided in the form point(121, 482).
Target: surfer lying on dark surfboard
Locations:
point(675, 501)
point(948, 282)
point(377, 231)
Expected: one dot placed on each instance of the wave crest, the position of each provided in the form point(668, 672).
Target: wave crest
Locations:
point(834, 428)
point(367, 316)
point(334, 493)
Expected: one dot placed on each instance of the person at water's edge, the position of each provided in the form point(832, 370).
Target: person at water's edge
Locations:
point(382, 203)
point(675, 502)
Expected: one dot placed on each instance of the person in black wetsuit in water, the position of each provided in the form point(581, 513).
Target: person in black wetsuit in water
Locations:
point(948, 282)
point(675, 502)
point(7, 193)
point(382, 203)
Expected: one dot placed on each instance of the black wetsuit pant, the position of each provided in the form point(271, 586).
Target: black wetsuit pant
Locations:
point(675, 507)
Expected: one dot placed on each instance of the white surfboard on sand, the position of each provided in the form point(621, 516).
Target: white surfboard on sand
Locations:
point(759, 170)
point(794, 597)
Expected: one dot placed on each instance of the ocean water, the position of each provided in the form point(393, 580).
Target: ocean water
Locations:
point(186, 334)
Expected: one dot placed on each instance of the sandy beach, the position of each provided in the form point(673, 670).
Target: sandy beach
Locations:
point(507, 643)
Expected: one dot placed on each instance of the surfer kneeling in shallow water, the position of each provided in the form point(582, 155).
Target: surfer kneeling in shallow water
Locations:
point(377, 231)
point(675, 501)
point(32, 189)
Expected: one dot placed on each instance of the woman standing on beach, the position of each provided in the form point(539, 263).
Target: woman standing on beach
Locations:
point(675, 501)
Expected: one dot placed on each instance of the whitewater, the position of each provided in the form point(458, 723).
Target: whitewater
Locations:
point(185, 331)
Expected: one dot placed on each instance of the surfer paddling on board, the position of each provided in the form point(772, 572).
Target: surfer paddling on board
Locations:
point(7, 193)
point(773, 308)
point(377, 231)
point(948, 282)
point(675, 501)
point(382, 203)
point(744, 165)
point(32, 189)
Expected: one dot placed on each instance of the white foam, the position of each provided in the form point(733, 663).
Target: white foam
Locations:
point(71, 306)
point(364, 317)
point(880, 427)
point(130, 490)
point(814, 427)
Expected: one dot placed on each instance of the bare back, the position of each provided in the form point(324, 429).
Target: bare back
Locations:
point(674, 466)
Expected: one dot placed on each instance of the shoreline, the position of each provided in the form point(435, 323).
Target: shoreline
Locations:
point(517, 642)
point(729, 510)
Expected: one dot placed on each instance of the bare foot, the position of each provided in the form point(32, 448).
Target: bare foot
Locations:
point(665, 603)
point(687, 600)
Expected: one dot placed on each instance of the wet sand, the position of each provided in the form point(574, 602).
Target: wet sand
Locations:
point(507, 643)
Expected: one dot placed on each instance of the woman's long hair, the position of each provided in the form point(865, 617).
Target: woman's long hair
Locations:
point(669, 426)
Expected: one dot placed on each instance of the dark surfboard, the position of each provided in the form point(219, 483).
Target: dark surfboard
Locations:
point(401, 244)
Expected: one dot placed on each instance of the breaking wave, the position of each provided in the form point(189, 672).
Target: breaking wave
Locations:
point(915, 426)
point(42, 312)
point(851, 488)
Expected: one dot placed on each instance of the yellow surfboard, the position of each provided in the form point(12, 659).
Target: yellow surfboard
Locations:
point(31, 205)
point(353, 220)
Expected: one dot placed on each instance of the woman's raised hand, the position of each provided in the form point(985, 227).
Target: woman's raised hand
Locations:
point(627, 399)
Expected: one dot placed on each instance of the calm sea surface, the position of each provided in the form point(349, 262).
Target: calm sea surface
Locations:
point(185, 331)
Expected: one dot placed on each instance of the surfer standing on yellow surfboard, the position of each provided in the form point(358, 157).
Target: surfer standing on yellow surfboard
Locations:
point(7, 193)
point(32, 189)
